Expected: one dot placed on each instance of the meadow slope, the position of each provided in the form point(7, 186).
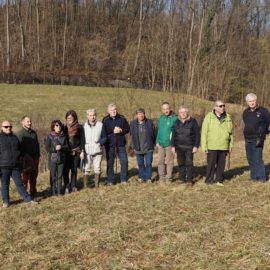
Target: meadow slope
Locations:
point(138, 226)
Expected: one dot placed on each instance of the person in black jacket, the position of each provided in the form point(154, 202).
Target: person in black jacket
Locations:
point(143, 136)
point(76, 143)
point(56, 146)
point(256, 120)
point(185, 141)
point(115, 127)
point(9, 164)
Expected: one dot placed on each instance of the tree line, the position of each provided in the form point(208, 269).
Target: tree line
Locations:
point(208, 48)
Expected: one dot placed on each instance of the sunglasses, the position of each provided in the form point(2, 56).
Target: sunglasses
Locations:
point(7, 126)
point(221, 106)
point(57, 125)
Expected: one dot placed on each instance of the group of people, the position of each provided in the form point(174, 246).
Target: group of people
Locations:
point(72, 145)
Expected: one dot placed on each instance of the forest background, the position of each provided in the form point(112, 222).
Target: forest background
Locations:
point(208, 48)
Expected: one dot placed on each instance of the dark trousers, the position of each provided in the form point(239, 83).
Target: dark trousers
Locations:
point(144, 162)
point(111, 154)
point(185, 164)
point(216, 160)
point(71, 165)
point(31, 177)
point(5, 180)
point(56, 172)
point(255, 161)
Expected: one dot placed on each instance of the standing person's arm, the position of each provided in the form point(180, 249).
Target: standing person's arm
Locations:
point(38, 145)
point(173, 139)
point(82, 142)
point(157, 132)
point(205, 127)
point(196, 132)
point(231, 135)
point(126, 127)
point(267, 119)
point(49, 146)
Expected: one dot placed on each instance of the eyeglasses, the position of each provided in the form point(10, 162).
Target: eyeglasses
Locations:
point(221, 106)
point(7, 126)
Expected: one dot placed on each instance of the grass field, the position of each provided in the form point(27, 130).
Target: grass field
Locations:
point(153, 226)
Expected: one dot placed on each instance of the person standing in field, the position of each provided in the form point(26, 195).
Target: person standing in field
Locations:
point(185, 142)
point(164, 135)
point(143, 138)
point(115, 127)
point(10, 164)
point(30, 151)
point(256, 120)
point(56, 145)
point(216, 141)
point(75, 135)
point(93, 146)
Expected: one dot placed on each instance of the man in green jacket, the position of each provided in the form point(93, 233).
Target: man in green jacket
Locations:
point(30, 151)
point(164, 135)
point(216, 141)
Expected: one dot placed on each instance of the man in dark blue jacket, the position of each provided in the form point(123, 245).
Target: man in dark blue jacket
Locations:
point(115, 127)
point(9, 164)
point(257, 120)
point(143, 141)
point(185, 141)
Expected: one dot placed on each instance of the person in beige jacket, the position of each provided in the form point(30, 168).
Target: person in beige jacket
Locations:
point(93, 148)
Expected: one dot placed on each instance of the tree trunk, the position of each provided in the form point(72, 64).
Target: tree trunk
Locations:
point(65, 32)
point(7, 34)
point(22, 35)
point(139, 38)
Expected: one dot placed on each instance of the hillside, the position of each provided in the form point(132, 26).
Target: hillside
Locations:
point(137, 226)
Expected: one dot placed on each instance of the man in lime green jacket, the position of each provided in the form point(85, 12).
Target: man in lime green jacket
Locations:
point(216, 141)
point(164, 135)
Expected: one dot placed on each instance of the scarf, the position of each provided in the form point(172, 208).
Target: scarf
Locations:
point(72, 131)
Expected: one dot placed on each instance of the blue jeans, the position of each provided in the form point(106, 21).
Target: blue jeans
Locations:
point(144, 162)
point(16, 176)
point(255, 161)
point(112, 153)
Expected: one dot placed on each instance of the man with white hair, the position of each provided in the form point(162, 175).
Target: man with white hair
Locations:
point(115, 127)
point(185, 141)
point(93, 148)
point(256, 120)
point(216, 141)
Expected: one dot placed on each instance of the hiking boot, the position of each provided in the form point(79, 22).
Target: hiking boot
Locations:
point(97, 179)
point(86, 179)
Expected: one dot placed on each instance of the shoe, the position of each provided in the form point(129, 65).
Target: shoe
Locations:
point(5, 205)
point(148, 181)
point(66, 191)
point(140, 180)
point(74, 189)
point(219, 184)
point(32, 202)
point(124, 182)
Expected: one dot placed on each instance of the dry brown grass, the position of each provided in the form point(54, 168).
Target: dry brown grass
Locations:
point(140, 226)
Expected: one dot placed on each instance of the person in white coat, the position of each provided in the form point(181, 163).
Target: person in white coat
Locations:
point(93, 147)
